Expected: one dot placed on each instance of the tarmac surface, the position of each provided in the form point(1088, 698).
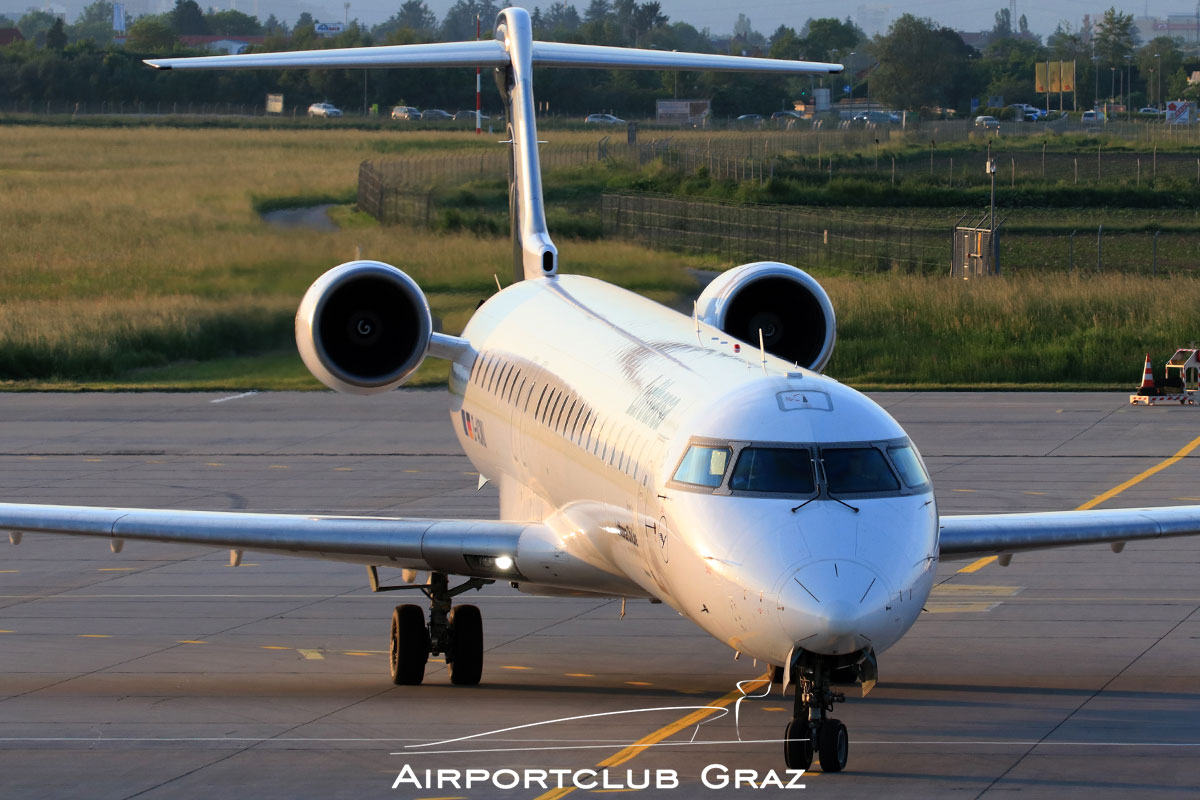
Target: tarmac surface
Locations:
point(162, 672)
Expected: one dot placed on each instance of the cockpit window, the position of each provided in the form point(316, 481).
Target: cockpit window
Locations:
point(906, 461)
point(850, 470)
point(703, 465)
point(782, 470)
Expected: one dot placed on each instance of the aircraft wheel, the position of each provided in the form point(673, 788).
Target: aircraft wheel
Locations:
point(410, 646)
point(833, 744)
point(466, 631)
point(798, 744)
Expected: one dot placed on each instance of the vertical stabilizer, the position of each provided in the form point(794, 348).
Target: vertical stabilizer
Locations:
point(534, 254)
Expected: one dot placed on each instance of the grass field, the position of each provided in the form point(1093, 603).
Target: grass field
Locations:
point(135, 258)
point(135, 255)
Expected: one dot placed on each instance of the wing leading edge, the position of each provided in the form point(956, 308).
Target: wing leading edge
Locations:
point(995, 534)
point(467, 547)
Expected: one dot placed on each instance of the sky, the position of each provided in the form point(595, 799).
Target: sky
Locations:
point(717, 15)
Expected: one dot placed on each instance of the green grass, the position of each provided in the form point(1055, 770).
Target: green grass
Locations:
point(135, 259)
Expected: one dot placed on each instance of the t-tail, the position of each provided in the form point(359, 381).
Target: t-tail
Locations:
point(513, 53)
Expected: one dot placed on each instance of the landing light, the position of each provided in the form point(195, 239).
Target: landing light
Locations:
point(504, 562)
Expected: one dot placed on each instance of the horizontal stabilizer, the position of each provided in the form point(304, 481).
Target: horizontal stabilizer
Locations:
point(492, 53)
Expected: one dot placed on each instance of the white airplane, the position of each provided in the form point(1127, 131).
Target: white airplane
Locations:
point(702, 461)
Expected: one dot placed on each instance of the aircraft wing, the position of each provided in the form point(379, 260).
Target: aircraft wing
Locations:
point(510, 551)
point(993, 534)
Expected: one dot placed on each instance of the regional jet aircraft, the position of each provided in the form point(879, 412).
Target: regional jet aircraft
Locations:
point(702, 461)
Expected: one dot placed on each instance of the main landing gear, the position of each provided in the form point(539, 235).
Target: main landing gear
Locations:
point(812, 731)
point(456, 632)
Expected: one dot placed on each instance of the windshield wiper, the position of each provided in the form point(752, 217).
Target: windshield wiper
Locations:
point(806, 502)
point(843, 502)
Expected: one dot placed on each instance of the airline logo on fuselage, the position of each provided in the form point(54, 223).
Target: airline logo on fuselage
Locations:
point(473, 428)
point(653, 405)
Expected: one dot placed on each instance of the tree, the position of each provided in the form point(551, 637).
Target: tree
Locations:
point(413, 16)
point(1115, 36)
point(785, 44)
point(823, 36)
point(918, 63)
point(56, 37)
point(597, 11)
point(562, 17)
point(95, 23)
point(1158, 59)
point(1003, 27)
point(186, 19)
point(35, 25)
point(232, 23)
point(152, 35)
point(273, 27)
point(459, 22)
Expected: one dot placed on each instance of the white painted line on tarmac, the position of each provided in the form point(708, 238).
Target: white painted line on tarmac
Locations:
point(233, 397)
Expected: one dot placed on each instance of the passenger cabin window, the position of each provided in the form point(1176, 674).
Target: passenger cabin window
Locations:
point(851, 470)
point(703, 465)
point(909, 466)
point(780, 470)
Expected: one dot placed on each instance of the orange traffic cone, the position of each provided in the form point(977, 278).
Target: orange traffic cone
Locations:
point(1147, 387)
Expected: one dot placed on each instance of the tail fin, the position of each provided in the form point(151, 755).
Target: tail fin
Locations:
point(513, 53)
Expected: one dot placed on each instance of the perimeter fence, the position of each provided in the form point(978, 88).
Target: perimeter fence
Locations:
point(811, 238)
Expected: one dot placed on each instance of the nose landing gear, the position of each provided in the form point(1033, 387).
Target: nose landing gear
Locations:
point(812, 731)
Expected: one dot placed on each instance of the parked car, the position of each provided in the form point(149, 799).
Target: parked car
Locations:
point(877, 117)
point(1032, 113)
point(469, 115)
point(406, 112)
point(986, 121)
point(1092, 117)
point(1150, 111)
point(436, 115)
point(749, 119)
point(604, 119)
point(787, 115)
point(324, 110)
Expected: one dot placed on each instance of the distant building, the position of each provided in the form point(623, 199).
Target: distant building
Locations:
point(1183, 28)
point(230, 45)
point(873, 19)
point(977, 39)
point(10, 35)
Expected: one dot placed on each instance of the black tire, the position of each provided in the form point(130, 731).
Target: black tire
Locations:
point(798, 744)
point(466, 632)
point(833, 745)
point(410, 646)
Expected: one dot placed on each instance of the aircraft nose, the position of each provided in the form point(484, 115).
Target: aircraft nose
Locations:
point(833, 607)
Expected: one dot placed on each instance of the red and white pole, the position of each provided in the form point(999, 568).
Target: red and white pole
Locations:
point(477, 72)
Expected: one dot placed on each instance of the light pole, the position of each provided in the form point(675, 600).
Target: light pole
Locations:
point(1112, 83)
point(1128, 77)
point(1158, 82)
point(1150, 87)
point(991, 170)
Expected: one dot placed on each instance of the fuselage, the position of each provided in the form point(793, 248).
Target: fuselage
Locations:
point(774, 507)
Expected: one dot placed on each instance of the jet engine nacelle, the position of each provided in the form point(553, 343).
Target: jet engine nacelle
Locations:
point(786, 303)
point(363, 327)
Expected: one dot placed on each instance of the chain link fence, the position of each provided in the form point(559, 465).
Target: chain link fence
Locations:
point(803, 237)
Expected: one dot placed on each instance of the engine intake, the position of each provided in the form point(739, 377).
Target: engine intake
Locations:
point(363, 327)
point(787, 304)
